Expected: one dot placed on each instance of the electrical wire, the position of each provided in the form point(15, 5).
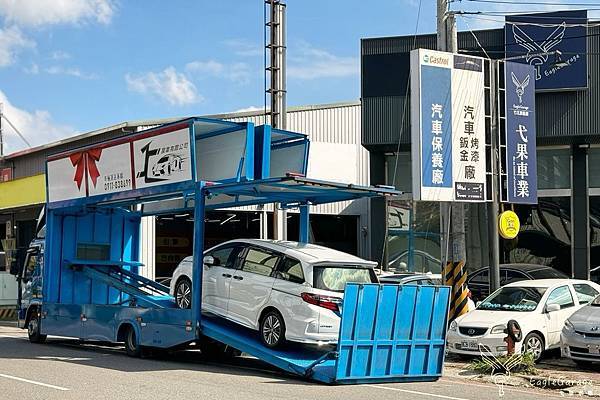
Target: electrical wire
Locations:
point(402, 119)
point(538, 3)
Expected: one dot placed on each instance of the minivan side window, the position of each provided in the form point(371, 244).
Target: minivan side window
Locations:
point(585, 293)
point(290, 269)
point(224, 256)
point(259, 261)
point(561, 296)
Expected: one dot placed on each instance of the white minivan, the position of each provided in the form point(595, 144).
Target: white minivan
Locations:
point(285, 290)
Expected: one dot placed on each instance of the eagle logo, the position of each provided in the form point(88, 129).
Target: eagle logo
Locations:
point(537, 53)
point(520, 86)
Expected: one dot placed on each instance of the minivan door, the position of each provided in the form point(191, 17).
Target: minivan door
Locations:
point(251, 286)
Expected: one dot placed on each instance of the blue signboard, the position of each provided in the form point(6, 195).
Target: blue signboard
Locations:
point(436, 120)
point(538, 38)
point(521, 164)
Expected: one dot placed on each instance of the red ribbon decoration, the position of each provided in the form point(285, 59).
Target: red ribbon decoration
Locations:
point(85, 162)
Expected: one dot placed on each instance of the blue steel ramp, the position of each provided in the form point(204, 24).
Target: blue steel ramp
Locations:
point(392, 333)
point(388, 333)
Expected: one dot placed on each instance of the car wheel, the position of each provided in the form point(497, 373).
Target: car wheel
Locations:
point(534, 344)
point(132, 347)
point(183, 293)
point(34, 329)
point(272, 329)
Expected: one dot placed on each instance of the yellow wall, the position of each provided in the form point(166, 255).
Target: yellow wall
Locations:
point(23, 192)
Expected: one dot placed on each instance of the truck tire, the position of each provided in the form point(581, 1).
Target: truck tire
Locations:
point(215, 351)
point(132, 346)
point(34, 329)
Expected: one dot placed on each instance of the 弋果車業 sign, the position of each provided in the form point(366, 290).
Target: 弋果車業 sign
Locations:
point(448, 127)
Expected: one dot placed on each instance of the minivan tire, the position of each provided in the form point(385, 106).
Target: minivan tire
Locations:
point(183, 293)
point(272, 329)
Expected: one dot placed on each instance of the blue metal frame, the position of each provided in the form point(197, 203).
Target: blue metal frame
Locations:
point(368, 310)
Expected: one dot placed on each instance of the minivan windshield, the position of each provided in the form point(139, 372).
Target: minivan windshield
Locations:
point(334, 278)
point(513, 298)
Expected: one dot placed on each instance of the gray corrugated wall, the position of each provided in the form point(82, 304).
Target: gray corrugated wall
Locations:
point(559, 114)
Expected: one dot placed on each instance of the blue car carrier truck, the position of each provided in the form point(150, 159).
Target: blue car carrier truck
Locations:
point(82, 280)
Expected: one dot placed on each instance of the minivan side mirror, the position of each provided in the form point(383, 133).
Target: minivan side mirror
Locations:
point(209, 261)
point(552, 307)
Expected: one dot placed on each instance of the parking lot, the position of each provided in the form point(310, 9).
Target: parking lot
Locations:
point(65, 369)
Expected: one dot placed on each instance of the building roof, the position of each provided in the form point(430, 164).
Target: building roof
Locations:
point(159, 121)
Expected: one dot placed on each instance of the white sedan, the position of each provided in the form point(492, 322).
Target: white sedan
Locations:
point(541, 308)
point(285, 290)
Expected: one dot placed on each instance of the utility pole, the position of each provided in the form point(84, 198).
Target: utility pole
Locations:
point(452, 214)
point(277, 91)
point(492, 206)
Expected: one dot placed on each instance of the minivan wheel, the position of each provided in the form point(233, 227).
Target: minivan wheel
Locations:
point(34, 329)
point(533, 344)
point(272, 329)
point(183, 293)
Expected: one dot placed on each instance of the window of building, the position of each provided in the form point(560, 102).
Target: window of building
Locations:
point(594, 167)
point(399, 171)
point(554, 168)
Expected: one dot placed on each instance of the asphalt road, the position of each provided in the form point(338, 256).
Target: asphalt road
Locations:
point(64, 369)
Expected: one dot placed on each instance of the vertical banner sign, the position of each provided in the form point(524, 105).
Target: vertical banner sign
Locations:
point(521, 164)
point(537, 38)
point(448, 127)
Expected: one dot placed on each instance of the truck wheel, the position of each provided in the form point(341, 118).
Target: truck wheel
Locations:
point(132, 346)
point(183, 293)
point(272, 329)
point(34, 329)
point(213, 350)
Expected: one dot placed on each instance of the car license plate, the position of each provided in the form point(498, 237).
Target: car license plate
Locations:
point(469, 345)
point(594, 350)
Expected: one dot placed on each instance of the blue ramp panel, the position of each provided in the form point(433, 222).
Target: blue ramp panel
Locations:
point(391, 333)
point(388, 333)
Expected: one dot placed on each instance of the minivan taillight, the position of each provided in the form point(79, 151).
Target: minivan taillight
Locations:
point(328, 302)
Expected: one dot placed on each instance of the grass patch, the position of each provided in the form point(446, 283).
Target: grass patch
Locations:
point(521, 363)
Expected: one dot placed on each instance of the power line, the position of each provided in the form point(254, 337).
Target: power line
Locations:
point(540, 3)
point(16, 130)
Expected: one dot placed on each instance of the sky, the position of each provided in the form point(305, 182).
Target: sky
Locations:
point(73, 66)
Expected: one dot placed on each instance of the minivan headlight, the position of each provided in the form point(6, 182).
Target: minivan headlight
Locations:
point(453, 326)
point(498, 329)
point(569, 326)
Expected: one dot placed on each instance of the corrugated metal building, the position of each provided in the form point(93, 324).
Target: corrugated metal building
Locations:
point(563, 230)
point(335, 154)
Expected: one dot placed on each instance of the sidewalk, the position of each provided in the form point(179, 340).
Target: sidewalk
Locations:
point(553, 374)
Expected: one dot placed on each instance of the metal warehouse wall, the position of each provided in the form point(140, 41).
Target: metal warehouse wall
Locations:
point(562, 117)
point(337, 124)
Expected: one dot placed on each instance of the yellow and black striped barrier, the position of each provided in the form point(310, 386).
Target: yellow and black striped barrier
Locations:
point(8, 314)
point(456, 278)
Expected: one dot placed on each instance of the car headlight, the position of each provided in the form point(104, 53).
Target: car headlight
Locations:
point(498, 329)
point(569, 325)
point(453, 326)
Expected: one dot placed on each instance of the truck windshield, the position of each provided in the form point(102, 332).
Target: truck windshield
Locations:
point(334, 278)
point(511, 298)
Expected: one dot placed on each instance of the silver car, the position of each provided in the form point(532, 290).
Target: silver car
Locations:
point(580, 337)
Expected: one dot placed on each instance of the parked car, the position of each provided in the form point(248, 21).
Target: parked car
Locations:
point(580, 337)
point(479, 280)
point(412, 279)
point(422, 262)
point(285, 290)
point(541, 308)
